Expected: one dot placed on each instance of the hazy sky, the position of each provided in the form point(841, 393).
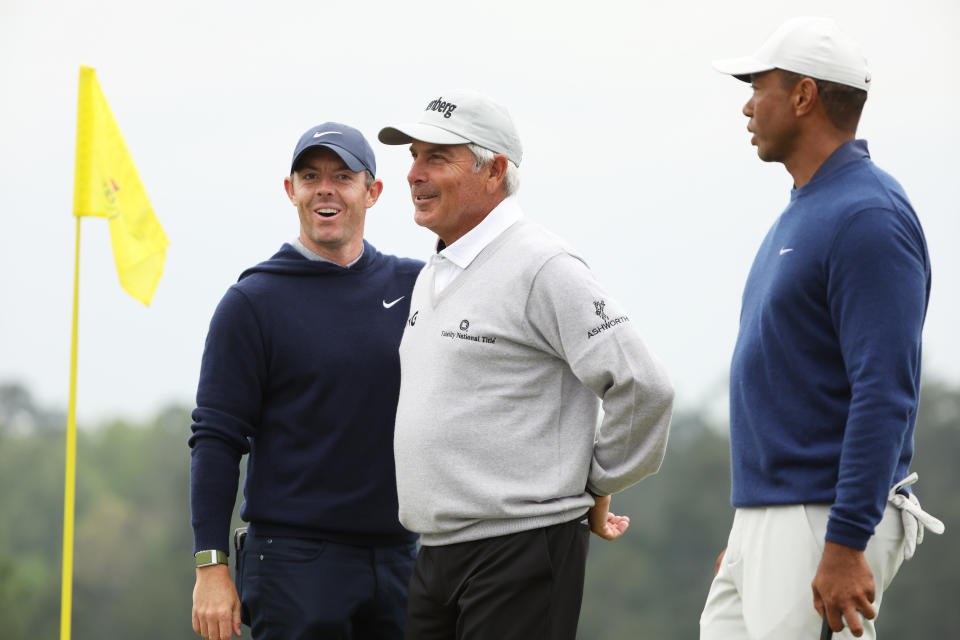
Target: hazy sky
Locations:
point(635, 150)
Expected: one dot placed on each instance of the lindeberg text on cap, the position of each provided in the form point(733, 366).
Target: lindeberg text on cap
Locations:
point(460, 117)
point(813, 47)
point(344, 140)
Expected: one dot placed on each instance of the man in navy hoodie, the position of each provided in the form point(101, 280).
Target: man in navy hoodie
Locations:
point(825, 375)
point(300, 371)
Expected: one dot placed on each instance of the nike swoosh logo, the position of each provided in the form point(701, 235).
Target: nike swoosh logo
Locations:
point(783, 251)
point(326, 133)
point(387, 305)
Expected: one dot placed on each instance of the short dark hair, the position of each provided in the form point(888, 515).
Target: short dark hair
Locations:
point(842, 103)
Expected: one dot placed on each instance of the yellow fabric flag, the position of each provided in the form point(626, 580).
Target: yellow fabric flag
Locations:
point(106, 185)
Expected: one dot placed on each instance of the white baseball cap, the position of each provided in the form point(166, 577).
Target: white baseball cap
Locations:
point(460, 117)
point(813, 47)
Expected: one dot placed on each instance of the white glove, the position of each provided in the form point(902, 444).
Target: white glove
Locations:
point(915, 519)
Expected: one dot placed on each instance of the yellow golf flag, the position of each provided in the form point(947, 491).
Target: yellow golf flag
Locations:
point(106, 185)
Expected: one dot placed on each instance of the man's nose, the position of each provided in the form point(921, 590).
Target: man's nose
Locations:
point(416, 172)
point(325, 184)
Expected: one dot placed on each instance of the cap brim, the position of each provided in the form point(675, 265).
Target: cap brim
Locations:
point(742, 68)
point(407, 133)
point(353, 162)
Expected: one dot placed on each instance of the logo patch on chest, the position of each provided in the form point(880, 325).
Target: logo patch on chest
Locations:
point(463, 334)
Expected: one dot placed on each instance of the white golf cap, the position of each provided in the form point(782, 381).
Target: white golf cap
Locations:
point(813, 47)
point(460, 117)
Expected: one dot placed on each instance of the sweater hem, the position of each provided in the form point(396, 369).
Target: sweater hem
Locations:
point(500, 527)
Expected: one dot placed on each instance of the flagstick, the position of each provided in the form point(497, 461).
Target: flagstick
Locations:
point(70, 476)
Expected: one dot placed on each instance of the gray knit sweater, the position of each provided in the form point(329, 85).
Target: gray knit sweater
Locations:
point(502, 375)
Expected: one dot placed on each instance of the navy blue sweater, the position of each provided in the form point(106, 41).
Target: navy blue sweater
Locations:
point(825, 375)
point(301, 371)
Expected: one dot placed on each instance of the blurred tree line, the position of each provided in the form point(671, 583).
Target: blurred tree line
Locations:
point(133, 567)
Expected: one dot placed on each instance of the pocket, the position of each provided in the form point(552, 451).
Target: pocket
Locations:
point(733, 553)
point(815, 517)
point(285, 550)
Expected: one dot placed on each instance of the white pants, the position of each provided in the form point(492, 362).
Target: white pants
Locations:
point(762, 590)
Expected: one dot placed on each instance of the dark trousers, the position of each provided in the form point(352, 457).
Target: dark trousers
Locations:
point(295, 588)
point(524, 586)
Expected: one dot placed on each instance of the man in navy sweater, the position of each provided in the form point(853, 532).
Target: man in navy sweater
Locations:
point(300, 371)
point(825, 374)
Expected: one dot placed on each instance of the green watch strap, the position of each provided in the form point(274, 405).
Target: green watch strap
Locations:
point(210, 557)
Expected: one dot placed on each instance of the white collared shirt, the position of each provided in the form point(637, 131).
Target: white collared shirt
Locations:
point(453, 259)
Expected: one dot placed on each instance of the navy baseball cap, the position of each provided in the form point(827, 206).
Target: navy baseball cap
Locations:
point(345, 141)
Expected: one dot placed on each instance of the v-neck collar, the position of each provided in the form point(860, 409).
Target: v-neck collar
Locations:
point(481, 258)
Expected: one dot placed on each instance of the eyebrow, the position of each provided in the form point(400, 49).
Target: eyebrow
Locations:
point(437, 148)
point(342, 166)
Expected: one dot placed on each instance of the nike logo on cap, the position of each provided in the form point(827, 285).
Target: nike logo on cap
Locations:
point(325, 133)
point(387, 305)
point(783, 251)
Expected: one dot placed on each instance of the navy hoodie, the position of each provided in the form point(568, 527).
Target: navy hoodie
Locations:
point(300, 370)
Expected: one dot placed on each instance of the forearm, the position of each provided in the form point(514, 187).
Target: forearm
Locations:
point(872, 451)
point(214, 477)
point(632, 438)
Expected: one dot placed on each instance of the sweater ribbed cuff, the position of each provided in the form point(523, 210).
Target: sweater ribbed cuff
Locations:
point(847, 535)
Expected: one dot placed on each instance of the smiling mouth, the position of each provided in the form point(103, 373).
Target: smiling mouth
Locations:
point(326, 213)
point(423, 198)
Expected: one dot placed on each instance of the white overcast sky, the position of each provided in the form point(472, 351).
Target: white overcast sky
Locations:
point(635, 150)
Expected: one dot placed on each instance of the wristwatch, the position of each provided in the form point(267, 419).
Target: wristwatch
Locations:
point(210, 557)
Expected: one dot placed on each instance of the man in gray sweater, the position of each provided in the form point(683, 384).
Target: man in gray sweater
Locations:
point(510, 348)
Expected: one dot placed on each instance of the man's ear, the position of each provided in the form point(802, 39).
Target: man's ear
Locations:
point(288, 187)
point(805, 96)
point(373, 193)
point(498, 171)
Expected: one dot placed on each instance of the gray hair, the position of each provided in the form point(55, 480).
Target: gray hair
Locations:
point(483, 156)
